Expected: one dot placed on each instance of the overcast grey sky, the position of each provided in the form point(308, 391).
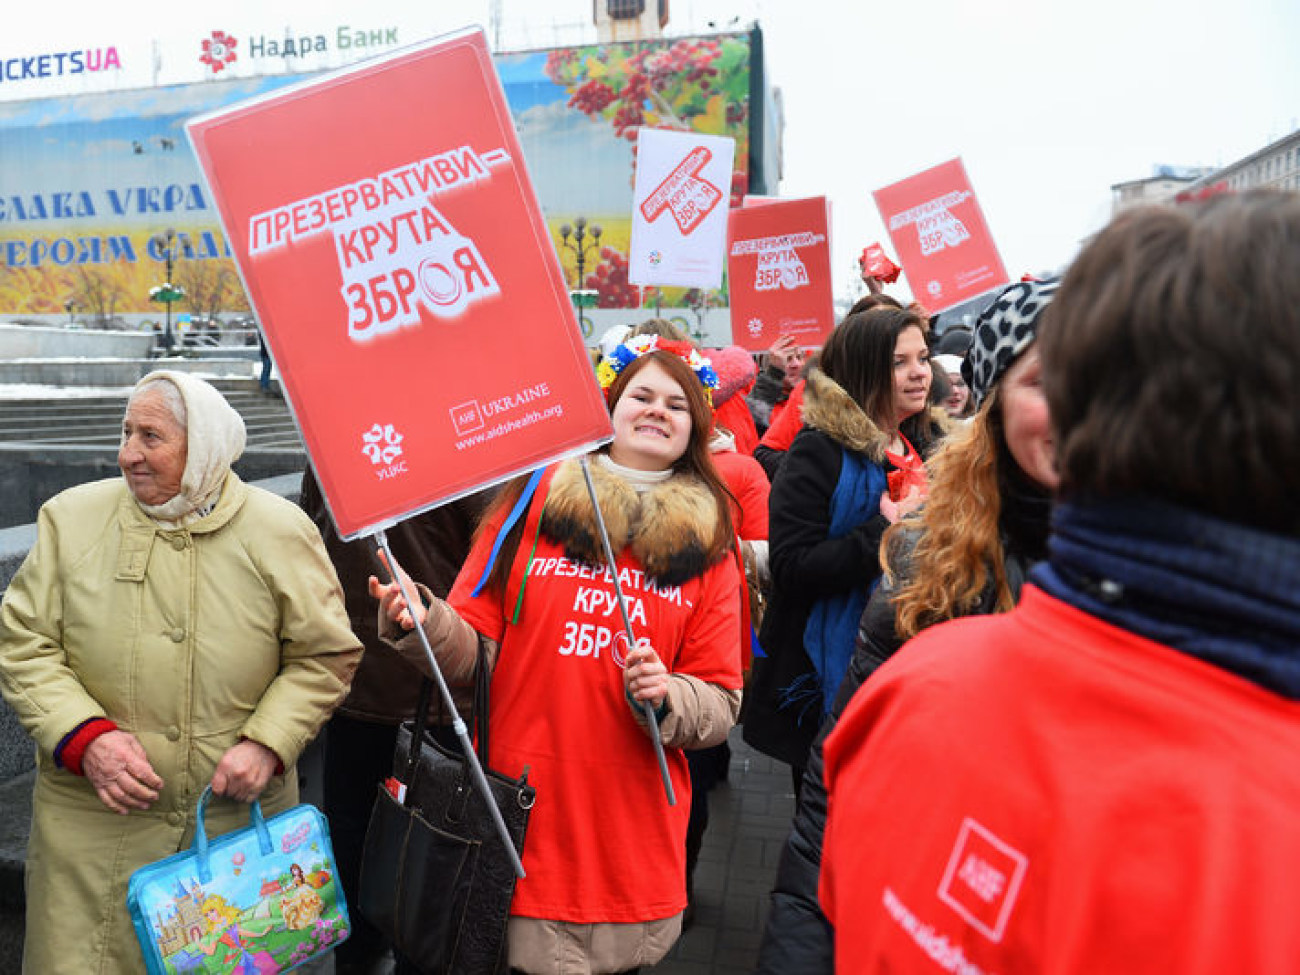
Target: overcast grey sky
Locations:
point(1048, 104)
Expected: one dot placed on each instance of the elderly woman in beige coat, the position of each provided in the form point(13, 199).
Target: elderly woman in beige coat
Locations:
point(169, 629)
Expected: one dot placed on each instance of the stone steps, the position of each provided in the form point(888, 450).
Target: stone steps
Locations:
point(51, 443)
point(96, 421)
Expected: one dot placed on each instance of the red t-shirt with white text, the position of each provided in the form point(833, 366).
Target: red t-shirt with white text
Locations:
point(603, 844)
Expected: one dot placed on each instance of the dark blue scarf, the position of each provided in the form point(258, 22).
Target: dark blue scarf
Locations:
point(832, 626)
point(1220, 591)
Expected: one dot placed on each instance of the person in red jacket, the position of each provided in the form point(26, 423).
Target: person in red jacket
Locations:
point(1104, 779)
point(737, 372)
point(606, 854)
point(782, 370)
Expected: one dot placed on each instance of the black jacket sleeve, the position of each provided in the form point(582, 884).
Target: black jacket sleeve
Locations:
point(806, 563)
point(771, 460)
point(798, 938)
point(769, 389)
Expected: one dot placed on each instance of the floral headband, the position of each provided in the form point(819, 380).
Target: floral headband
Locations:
point(639, 345)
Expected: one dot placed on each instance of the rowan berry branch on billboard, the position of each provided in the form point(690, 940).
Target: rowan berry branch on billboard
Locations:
point(394, 247)
point(779, 271)
point(938, 229)
point(412, 300)
point(679, 216)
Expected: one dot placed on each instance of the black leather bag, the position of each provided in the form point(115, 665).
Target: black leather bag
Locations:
point(435, 876)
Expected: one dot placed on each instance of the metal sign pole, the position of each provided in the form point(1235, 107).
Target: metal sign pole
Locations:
point(631, 640)
point(457, 724)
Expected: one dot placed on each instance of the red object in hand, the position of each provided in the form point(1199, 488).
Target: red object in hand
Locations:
point(902, 480)
point(875, 264)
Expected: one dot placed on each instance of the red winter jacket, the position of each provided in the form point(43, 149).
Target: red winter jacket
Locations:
point(1044, 792)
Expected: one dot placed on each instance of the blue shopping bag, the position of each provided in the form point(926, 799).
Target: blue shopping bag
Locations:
point(262, 899)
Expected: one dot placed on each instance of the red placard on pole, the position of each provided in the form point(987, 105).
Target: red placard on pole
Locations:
point(391, 243)
point(938, 230)
point(779, 273)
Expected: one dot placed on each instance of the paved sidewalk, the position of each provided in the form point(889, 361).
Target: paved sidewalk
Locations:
point(749, 818)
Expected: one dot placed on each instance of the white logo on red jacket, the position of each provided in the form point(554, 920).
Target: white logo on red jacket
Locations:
point(982, 879)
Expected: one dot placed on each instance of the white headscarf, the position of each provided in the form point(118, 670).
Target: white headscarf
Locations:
point(215, 439)
point(948, 363)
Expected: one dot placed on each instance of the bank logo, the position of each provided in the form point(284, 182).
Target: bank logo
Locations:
point(381, 444)
point(218, 51)
point(982, 879)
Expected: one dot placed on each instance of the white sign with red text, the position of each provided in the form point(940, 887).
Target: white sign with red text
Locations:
point(679, 212)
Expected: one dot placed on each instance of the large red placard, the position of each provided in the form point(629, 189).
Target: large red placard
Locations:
point(938, 229)
point(779, 273)
point(390, 240)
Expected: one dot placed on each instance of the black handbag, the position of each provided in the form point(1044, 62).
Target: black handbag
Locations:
point(435, 876)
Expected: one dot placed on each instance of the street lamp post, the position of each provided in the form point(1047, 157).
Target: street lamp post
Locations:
point(168, 293)
point(584, 239)
point(581, 238)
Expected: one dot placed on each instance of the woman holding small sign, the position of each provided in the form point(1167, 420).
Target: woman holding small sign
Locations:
point(605, 854)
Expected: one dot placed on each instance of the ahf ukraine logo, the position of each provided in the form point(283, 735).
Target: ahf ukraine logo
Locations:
point(983, 878)
point(218, 51)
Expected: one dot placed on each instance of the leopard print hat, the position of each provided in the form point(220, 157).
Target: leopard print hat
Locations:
point(1004, 330)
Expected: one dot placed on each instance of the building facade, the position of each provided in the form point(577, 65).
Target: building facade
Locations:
point(1276, 166)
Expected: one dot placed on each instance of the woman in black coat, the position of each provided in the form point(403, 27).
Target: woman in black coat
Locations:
point(854, 467)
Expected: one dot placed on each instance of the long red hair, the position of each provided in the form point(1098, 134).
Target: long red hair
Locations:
point(959, 543)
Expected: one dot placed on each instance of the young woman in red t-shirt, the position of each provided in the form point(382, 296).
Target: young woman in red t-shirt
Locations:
point(605, 853)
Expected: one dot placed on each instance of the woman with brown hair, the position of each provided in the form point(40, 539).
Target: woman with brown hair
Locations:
point(853, 468)
point(957, 401)
point(606, 855)
point(965, 552)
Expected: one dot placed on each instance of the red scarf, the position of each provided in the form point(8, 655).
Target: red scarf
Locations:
point(908, 473)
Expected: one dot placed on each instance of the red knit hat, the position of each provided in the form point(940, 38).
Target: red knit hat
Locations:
point(736, 370)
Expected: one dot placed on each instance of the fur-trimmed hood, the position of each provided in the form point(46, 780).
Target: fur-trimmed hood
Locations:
point(671, 528)
point(828, 408)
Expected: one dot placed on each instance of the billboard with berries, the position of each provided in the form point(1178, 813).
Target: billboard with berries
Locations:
point(90, 181)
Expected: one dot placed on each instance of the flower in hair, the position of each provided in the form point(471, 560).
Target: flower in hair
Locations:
point(613, 364)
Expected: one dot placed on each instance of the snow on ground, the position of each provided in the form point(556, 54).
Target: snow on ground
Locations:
point(10, 391)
